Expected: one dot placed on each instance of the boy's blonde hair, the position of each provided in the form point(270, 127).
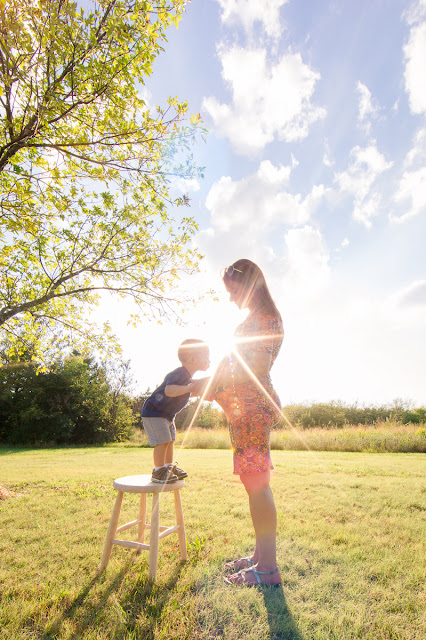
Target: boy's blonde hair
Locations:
point(191, 347)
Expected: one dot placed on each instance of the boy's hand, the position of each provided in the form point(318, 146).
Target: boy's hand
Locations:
point(190, 387)
point(198, 387)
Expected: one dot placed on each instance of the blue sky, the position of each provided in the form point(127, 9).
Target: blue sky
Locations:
point(315, 169)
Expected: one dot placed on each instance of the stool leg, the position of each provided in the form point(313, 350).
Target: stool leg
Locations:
point(180, 522)
point(111, 530)
point(142, 518)
point(153, 537)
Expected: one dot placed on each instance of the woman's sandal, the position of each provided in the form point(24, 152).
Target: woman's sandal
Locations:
point(237, 564)
point(257, 575)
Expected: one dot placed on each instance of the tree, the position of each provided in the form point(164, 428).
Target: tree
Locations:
point(87, 168)
point(72, 403)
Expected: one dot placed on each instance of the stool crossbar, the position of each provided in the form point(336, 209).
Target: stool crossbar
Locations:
point(142, 484)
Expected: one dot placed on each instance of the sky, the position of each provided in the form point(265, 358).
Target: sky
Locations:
point(315, 169)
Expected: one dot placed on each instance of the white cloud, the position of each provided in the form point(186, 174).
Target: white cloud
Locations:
point(415, 56)
point(274, 175)
point(259, 201)
point(327, 156)
point(367, 208)
point(268, 99)
point(412, 189)
point(145, 94)
point(416, 12)
point(248, 12)
point(185, 185)
point(343, 245)
point(251, 218)
point(366, 166)
point(413, 295)
point(307, 260)
point(352, 346)
point(366, 109)
point(417, 155)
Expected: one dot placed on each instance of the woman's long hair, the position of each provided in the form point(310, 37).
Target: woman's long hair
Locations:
point(254, 288)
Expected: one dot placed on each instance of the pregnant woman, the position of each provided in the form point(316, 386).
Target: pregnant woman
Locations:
point(242, 387)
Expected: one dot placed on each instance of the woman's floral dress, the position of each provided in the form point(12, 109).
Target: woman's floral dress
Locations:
point(252, 408)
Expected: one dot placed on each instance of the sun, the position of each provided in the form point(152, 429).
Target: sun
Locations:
point(219, 320)
point(221, 341)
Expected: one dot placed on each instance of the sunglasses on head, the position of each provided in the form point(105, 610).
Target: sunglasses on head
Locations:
point(228, 271)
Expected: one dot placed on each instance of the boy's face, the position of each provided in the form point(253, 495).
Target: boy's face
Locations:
point(202, 360)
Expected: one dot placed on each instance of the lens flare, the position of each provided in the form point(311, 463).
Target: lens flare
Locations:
point(260, 386)
point(252, 376)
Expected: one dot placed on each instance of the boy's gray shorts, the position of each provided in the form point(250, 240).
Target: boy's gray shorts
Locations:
point(159, 430)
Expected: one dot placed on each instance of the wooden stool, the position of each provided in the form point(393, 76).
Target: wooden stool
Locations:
point(143, 485)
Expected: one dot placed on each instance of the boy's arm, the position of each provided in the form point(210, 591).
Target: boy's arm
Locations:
point(174, 390)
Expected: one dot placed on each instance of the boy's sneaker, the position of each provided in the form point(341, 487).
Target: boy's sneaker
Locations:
point(163, 475)
point(180, 473)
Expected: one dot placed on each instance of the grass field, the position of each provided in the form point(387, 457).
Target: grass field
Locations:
point(351, 549)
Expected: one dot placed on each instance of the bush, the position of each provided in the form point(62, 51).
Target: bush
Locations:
point(207, 416)
point(338, 415)
point(211, 418)
point(73, 403)
point(415, 416)
point(316, 415)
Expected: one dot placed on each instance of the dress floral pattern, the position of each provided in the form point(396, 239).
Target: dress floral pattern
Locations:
point(253, 407)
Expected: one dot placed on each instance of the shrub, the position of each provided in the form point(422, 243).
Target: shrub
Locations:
point(73, 403)
point(415, 416)
point(335, 414)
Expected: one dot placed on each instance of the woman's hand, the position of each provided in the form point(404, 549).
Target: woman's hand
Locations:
point(255, 365)
point(259, 363)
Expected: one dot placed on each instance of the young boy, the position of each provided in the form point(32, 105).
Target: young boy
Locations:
point(165, 402)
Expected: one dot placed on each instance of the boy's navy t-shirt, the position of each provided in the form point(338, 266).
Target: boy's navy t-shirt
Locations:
point(158, 405)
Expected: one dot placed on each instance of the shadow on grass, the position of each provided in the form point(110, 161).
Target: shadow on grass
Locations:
point(281, 623)
point(143, 603)
point(87, 606)
point(238, 611)
point(9, 450)
point(134, 608)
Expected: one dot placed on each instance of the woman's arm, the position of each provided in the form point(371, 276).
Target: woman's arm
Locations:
point(256, 364)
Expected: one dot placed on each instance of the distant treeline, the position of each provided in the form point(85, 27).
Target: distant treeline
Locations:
point(79, 401)
point(303, 416)
point(336, 414)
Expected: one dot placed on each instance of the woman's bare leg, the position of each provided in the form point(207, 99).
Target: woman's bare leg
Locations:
point(264, 518)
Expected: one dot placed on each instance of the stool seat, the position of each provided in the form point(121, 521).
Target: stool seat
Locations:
point(143, 485)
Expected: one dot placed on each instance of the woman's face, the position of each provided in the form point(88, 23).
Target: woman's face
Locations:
point(236, 294)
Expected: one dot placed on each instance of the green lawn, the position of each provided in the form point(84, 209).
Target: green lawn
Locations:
point(351, 549)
